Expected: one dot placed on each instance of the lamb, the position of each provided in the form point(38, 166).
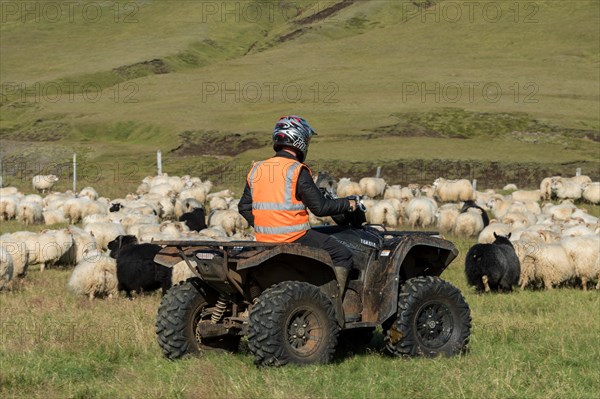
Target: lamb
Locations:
point(230, 220)
point(195, 220)
point(346, 188)
point(453, 190)
point(137, 271)
point(104, 233)
point(524, 196)
point(29, 213)
point(591, 192)
point(44, 183)
point(115, 246)
point(469, 224)
point(95, 276)
point(372, 187)
point(584, 253)
point(6, 268)
point(421, 212)
point(493, 267)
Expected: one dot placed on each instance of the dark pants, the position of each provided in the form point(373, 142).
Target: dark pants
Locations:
point(340, 255)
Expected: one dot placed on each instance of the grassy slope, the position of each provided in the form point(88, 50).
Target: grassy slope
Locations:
point(369, 51)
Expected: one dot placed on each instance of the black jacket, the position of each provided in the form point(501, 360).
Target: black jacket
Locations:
point(306, 191)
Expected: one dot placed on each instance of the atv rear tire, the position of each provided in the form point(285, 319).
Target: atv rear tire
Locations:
point(292, 322)
point(180, 310)
point(433, 319)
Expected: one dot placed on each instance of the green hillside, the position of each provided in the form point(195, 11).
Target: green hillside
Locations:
point(385, 83)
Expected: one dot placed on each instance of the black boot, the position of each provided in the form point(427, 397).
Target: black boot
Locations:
point(341, 273)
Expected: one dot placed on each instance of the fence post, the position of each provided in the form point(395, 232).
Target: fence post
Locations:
point(74, 173)
point(578, 172)
point(474, 184)
point(159, 162)
point(378, 173)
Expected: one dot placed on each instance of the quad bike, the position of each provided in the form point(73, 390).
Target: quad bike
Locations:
point(286, 299)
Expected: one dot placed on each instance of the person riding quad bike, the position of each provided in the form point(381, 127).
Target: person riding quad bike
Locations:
point(279, 191)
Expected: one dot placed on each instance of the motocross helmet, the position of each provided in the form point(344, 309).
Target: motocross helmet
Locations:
point(293, 131)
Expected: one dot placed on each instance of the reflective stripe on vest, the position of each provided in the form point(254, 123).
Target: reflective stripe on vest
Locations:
point(271, 181)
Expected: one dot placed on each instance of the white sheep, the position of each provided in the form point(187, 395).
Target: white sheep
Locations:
point(15, 245)
point(214, 233)
point(382, 213)
point(421, 212)
point(44, 183)
point(469, 223)
point(197, 193)
point(510, 187)
point(393, 192)
point(104, 233)
point(143, 188)
point(446, 217)
point(561, 212)
point(551, 264)
point(229, 220)
point(519, 220)
point(591, 192)
point(29, 213)
point(9, 205)
point(8, 191)
point(181, 272)
point(227, 193)
point(89, 192)
point(584, 253)
point(499, 206)
point(372, 187)
point(35, 198)
point(428, 191)
point(453, 190)
point(186, 205)
point(95, 276)
point(82, 242)
point(486, 236)
point(347, 187)
point(218, 203)
point(163, 190)
point(6, 268)
point(76, 209)
point(54, 216)
point(566, 189)
point(524, 196)
point(48, 247)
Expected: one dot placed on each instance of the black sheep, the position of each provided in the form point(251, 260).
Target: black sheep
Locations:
point(136, 269)
point(195, 220)
point(493, 267)
point(116, 207)
point(471, 204)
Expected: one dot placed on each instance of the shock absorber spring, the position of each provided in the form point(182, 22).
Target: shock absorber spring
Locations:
point(220, 308)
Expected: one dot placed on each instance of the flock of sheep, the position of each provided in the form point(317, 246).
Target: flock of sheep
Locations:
point(555, 243)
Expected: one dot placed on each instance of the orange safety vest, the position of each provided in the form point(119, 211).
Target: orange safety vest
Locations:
point(278, 215)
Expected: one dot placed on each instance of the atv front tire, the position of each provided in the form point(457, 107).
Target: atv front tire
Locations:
point(433, 319)
point(292, 322)
point(179, 313)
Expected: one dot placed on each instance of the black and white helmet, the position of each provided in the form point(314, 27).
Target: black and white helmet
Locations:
point(293, 131)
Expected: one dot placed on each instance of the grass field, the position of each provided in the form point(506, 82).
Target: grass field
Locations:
point(531, 344)
point(506, 95)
